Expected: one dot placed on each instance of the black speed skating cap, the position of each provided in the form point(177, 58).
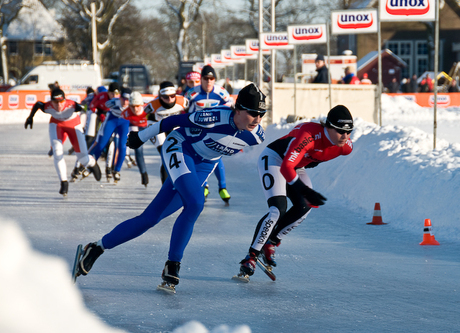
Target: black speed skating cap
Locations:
point(340, 118)
point(251, 98)
point(114, 87)
point(57, 95)
point(125, 93)
point(208, 71)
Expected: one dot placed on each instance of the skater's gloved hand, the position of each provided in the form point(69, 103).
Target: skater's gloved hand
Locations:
point(29, 122)
point(133, 140)
point(313, 197)
point(311, 165)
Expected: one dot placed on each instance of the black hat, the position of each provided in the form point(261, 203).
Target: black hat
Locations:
point(208, 71)
point(125, 92)
point(320, 57)
point(57, 95)
point(340, 118)
point(251, 98)
point(114, 87)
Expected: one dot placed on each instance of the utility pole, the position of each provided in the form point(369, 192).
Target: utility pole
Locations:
point(267, 63)
point(94, 32)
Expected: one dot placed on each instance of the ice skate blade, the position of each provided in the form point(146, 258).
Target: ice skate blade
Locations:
point(166, 287)
point(78, 256)
point(267, 269)
point(241, 278)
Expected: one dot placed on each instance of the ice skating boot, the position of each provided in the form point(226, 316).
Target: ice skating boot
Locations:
point(64, 188)
point(108, 173)
point(129, 164)
point(96, 171)
point(76, 172)
point(269, 253)
point(90, 254)
point(170, 276)
point(224, 195)
point(145, 179)
point(247, 267)
point(116, 176)
point(248, 264)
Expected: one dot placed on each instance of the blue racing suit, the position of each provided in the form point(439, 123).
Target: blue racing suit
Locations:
point(190, 154)
point(113, 123)
point(200, 99)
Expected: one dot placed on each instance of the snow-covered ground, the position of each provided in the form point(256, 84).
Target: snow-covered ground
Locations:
point(335, 272)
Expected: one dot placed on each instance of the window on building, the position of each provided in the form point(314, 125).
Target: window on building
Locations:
point(421, 57)
point(422, 66)
point(404, 50)
point(43, 48)
point(12, 47)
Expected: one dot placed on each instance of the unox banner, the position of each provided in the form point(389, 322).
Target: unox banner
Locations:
point(407, 10)
point(307, 34)
point(239, 52)
point(354, 22)
point(276, 40)
point(227, 58)
point(252, 46)
point(216, 61)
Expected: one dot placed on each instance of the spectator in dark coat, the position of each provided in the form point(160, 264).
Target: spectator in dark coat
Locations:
point(413, 84)
point(393, 87)
point(323, 73)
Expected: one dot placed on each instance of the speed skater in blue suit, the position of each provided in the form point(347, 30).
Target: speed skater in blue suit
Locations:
point(190, 154)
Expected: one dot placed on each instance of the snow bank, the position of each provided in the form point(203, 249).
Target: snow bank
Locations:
point(36, 290)
point(38, 295)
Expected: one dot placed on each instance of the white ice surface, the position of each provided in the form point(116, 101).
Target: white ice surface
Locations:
point(335, 272)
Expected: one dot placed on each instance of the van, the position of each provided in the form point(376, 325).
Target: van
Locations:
point(135, 77)
point(72, 76)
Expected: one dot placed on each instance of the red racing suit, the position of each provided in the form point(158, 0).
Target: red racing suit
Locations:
point(281, 164)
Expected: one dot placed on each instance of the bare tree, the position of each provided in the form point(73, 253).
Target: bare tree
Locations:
point(186, 13)
point(8, 12)
point(106, 11)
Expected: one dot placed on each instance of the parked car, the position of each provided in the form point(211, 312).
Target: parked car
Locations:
point(135, 77)
point(71, 75)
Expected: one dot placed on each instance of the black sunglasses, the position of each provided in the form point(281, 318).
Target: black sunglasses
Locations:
point(255, 114)
point(251, 112)
point(341, 131)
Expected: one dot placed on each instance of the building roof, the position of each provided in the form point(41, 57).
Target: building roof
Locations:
point(372, 56)
point(34, 22)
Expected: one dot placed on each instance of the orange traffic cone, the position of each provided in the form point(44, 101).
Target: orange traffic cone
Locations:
point(377, 218)
point(428, 238)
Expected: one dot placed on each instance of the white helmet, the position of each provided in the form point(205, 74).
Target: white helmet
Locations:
point(136, 99)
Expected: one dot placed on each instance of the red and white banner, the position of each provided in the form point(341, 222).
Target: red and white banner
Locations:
point(25, 99)
point(252, 46)
point(227, 58)
point(426, 100)
point(354, 21)
point(239, 52)
point(217, 62)
point(407, 10)
point(276, 40)
point(307, 34)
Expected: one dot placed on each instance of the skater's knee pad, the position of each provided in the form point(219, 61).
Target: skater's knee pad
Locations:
point(85, 159)
point(280, 202)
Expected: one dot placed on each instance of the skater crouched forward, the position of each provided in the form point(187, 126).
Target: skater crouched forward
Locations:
point(190, 154)
point(282, 171)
